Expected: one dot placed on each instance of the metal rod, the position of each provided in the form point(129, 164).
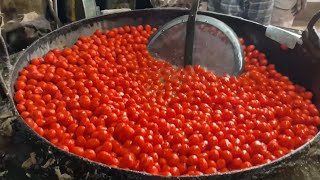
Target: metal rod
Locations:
point(55, 6)
point(3, 46)
point(188, 51)
point(5, 58)
point(54, 11)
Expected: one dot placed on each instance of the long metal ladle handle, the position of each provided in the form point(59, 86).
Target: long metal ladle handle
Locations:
point(188, 50)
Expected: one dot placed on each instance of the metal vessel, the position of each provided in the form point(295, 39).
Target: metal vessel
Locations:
point(299, 64)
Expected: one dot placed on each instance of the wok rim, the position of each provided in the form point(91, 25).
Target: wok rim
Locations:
point(10, 93)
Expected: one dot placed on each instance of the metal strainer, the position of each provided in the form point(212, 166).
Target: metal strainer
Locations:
point(198, 39)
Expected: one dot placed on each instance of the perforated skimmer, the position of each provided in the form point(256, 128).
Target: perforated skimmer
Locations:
point(198, 39)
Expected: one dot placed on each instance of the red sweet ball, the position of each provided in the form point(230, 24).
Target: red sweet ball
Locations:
point(108, 100)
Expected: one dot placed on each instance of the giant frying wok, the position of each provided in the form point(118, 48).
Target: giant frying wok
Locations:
point(299, 64)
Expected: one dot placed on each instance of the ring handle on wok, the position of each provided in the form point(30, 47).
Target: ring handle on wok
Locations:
point(310, 38)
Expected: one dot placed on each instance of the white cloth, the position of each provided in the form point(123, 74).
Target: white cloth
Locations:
point(282, 17)
point(284, 11)
point(285, 4)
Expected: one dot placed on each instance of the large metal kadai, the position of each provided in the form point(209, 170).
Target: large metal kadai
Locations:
point(301, 64)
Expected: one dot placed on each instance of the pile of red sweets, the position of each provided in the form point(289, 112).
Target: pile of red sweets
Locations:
point(108, 100)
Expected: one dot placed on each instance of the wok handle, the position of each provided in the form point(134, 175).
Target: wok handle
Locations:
point(310, 38)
